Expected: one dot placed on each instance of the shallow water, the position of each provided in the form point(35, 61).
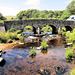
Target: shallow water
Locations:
point(18, 61)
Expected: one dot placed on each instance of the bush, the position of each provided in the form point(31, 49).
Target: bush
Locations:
point(28, 28)
point(44, 44)
point(32, 53)
point(12, 30)
point(47, 28)
point(19, 37)
point(18, 32)
point(9, 41)
point(69, 52)
point(72, 72)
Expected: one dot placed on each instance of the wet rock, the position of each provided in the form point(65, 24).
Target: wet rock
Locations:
point(0, 51)
point(43, 72)
point(59, 69)
point(2, 62)
point(21, 43)
point(0, 54)
point(39, 47)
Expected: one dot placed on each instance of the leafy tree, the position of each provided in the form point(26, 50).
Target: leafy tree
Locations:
point(71, 7)
point(2, 17)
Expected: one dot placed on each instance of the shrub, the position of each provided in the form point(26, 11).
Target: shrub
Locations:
point(67, 33)
point(18, 32)
point(12, 30)
point(47, 28)
point(44, 44)
point(63, 28)
point(19, 37)
point(72, 72)
point(32, 52)
point(9, 41)
point(69, 52)
point(28, 28)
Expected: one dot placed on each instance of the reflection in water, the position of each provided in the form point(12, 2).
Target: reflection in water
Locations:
point(19, 62)
point(2, 62)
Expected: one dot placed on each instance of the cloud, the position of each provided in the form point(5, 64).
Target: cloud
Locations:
point(8, 11)
point(32, 4)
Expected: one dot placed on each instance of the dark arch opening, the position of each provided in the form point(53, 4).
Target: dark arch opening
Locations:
point(68, 28)
point(54, 30)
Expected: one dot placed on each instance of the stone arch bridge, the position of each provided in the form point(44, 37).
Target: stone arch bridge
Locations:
point(35, 23)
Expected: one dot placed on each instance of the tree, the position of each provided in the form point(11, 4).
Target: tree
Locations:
point(71, 7)
point(2, 17)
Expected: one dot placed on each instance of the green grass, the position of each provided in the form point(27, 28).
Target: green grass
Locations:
point(1, 21)
point(32, 52)
point(44, 44)
point(10, 17)
point(69, 52)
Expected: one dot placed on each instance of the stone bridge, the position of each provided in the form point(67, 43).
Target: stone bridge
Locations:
point(35, 23)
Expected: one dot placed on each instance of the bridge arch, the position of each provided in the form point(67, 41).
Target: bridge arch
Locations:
point(54, 29)
point(34, 29)
point(68, 28)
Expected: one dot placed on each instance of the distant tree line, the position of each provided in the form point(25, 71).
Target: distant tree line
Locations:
point(2, 17)
point(45, 14)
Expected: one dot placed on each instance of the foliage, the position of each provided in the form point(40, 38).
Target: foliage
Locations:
point(18, 31)
point(2, 17)
point(4, 37)
point(28, 28)
point(19, 37)
point(66, 14)
point(12, 30)
point(47, 28)
point(63, 28)
point(32, 52)
point(37, 14)
point(69, 52)
point(67, 33)
point(44, 44)
point(71, 7)
point(72, 72)
point(9, 41)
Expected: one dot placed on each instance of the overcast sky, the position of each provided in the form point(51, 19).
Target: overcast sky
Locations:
point(12, 7)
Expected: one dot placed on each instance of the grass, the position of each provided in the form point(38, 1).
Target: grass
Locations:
point(8, 36)
point(28, 28)
point(32, 52)
point(44, 44)
point(10, 17)
point(69, 52)
point(47, 28)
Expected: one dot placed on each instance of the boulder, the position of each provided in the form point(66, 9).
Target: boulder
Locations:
point(2, 62)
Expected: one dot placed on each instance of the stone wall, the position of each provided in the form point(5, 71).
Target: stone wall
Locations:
point(20, 24)
point(2, 27)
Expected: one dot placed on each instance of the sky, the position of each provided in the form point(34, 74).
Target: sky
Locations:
point(13, 7)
